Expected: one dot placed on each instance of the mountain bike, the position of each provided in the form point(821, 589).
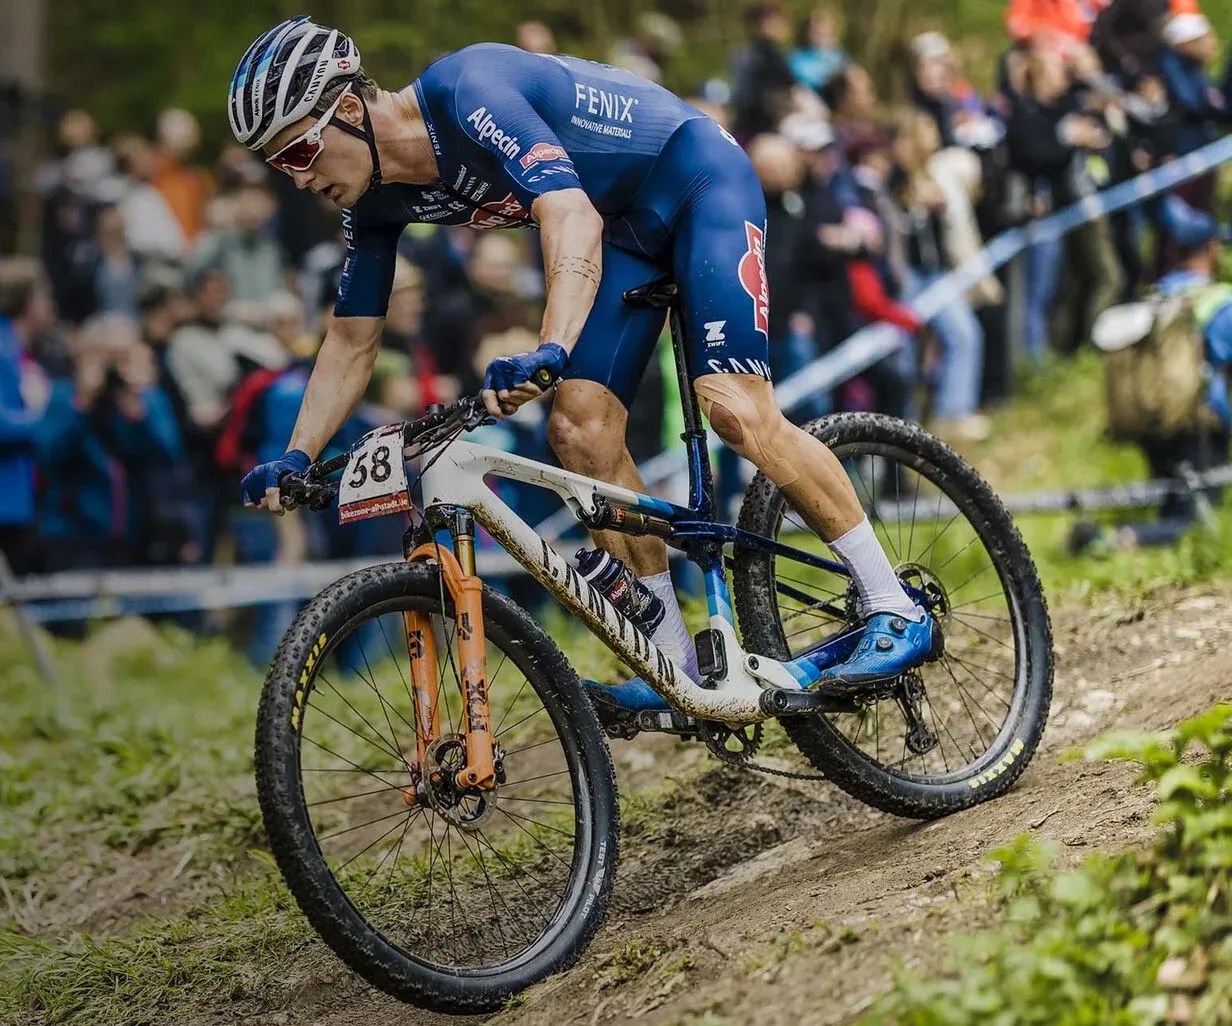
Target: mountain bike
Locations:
point(436, 783)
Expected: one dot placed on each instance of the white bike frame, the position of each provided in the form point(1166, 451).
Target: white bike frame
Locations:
point(456, 477)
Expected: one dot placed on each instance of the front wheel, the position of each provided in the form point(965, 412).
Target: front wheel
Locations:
point(957, 731)
point(457, 900)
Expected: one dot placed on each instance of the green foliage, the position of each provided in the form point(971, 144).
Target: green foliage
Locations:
point(1135, 939)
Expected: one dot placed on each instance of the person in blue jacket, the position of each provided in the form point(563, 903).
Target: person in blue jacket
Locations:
point(25, 307)
point(106, 447)
point(1199, 240)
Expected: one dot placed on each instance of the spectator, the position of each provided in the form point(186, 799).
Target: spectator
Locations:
point(1126, 35)
point(25, 307)
point(247, 251)
point(152, 229)
point(1199, 242)
point(1057, 23)
point(67, 186)
point(1196, 108)
point(819, 54)
point(105, 443)
point(826, 244)
point(208, 354)
point(536, 37)
point(764, 91)
point(921, 204)
point(851, 96)
point(1049, 133)
point(185, 187)
point(955, 107)
point(780, 168)
point(104, 275)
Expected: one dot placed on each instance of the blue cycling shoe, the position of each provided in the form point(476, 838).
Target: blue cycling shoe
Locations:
point(891, 645)
point(632, 696)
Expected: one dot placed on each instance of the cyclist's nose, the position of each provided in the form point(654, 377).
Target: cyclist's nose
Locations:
point(302, 179)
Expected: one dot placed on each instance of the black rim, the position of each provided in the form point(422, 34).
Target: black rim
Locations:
point(463, 884)
point(970, 701)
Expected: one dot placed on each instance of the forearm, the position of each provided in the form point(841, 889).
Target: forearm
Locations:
point(335, 387)
point(573, 264)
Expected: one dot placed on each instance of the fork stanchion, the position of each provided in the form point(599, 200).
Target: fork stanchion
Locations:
point(467, 593)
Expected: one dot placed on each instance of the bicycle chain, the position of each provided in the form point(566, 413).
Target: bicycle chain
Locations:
point(789, 774)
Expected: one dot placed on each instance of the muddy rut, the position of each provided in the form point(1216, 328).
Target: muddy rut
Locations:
point(760, 899)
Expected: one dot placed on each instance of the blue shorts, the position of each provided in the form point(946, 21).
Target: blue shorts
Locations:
point(707, 196)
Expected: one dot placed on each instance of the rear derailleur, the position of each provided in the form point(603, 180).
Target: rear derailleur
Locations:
point(910, 697)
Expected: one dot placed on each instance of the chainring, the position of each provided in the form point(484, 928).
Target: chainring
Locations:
point(720, 739)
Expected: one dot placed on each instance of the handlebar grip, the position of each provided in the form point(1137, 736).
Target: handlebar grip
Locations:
point(543, 378)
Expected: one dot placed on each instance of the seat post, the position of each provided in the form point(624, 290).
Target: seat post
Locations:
point(701, 480)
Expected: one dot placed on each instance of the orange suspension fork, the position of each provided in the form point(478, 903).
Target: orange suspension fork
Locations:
point(467, 592)
point(421, 645)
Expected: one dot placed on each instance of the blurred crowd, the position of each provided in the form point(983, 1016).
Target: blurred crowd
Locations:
point(161, 341)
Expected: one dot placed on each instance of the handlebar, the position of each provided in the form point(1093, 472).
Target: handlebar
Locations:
point(313, 488)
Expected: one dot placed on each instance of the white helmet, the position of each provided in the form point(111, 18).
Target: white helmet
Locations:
point(282, 76)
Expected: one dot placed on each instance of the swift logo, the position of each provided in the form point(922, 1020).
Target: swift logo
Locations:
point(543, 151)
point(599, 103)
point(488, 133)
point(714, 333)
point(752, 274)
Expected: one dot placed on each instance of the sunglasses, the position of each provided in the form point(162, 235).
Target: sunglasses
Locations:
point(300, 153)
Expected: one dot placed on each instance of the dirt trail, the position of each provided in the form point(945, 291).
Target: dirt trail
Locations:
point(763, 900)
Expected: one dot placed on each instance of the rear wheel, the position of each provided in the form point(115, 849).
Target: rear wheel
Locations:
point(957, 731)
point(459, 901)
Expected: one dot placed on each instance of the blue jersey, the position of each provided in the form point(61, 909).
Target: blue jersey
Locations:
point(677, 194)
point(508, 126)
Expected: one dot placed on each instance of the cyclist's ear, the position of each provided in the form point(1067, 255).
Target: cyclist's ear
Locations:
point(351, 110)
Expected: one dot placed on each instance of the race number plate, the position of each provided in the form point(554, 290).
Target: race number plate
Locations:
point(374, 484)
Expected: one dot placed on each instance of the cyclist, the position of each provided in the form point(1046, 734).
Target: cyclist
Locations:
point(625, 182)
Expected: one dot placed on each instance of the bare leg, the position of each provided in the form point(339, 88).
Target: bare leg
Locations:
point(587, 433)
point(742, 410)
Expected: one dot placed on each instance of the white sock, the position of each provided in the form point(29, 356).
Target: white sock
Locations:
point(880, 590)
point(672, 636)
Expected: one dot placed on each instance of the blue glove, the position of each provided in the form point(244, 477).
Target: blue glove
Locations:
point(266, 475)
point(507, 372)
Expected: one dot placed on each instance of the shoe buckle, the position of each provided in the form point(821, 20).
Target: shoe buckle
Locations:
point(898, 625)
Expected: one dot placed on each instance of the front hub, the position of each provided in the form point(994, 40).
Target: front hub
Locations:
point(466, 808)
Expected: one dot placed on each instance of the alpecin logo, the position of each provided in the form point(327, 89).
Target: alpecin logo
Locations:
point(543, 151)
point(752, 273)
point(487, 131)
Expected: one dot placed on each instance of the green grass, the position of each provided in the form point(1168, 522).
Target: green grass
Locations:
point(147, 738)
point(252, 942)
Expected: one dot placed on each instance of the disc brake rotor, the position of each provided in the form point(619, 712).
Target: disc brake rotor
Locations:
point(466, 808)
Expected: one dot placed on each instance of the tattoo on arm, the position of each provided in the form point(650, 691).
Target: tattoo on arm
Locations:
point(579, 266)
